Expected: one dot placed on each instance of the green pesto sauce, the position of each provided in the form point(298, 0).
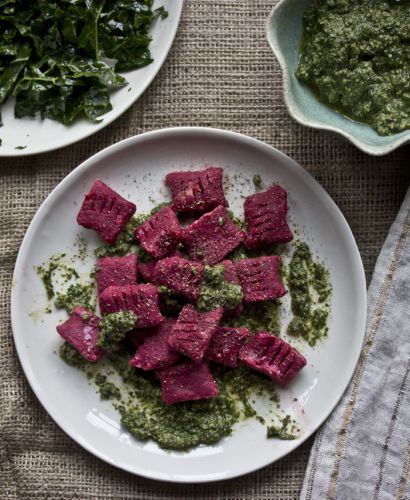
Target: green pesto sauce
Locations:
point(68, 273)
point(257, 182)
point(185, 425)
point(76, 295)
point(259, 316)
point(216, 292)
point(355, 56)
point(71, 356)
point(55, 272)
point(309, 288)
point(106, 389)
point(46, 271)
point(286, 430)
point(81, 245)
point(126, 241)
point(114, 328)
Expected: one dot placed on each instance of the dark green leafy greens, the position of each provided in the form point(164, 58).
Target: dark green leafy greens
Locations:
point(61, 59)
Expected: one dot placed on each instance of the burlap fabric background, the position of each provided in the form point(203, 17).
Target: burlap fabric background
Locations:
point(220, 73)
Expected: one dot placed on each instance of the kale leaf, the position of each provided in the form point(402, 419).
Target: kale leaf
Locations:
point(61, 59)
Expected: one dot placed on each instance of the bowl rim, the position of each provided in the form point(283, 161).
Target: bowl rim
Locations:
point(312, 123)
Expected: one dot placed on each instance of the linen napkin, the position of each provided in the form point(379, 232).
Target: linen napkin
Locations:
point(363, 450)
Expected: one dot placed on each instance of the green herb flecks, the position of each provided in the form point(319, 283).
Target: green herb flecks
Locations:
point(81, 246)
point(114, 328)
point(72, 357)
point(106, 389)
point(286, 430)
point(257, 182)
point(309, 290)
point(217, 292)
point(76, 295)
point(46, 271)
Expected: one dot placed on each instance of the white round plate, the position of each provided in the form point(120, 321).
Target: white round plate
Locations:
point(136, 168)
point(28, 136)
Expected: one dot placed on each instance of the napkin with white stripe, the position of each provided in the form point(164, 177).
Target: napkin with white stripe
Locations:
point(363, 450)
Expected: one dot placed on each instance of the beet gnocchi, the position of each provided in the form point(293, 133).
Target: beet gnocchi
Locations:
point(196, 191)
point(105, 211)
point(116, 271)
point(160, 234)
point(265, 217)
point(212, 237)
point(157, 290)
point(142, 300)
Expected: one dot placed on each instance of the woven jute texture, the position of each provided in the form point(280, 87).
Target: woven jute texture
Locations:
point(220, 73)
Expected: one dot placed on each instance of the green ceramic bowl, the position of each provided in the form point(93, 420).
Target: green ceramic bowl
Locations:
point(284, 32)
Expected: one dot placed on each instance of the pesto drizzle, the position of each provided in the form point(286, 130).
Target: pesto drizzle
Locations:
point(77, 295)
point(286, 430)
point(114, 327)
point(355, 56)
point(106, 389)
point(216, 292)
point(46, 271)
point(309, 290)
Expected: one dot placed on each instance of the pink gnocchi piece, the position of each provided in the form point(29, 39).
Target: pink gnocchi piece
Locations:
point(225, 345)
point(260, 278)
point(111, 271)
point(154, 353)
point(105, 211)
point(183, 276)
point(147, 271)
point(193, 331)
point(265, 217)
point(160, 234)
point(196, 191)
point(187, 381)
point(142, 300)
point(272, 356)
point(213, 236)
point(82, 331)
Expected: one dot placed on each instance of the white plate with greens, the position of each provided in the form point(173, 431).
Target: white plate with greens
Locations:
point(136, 168)
point(31, 135)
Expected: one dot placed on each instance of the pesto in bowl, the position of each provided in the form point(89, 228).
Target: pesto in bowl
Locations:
point(284, 29)
point(355, 55)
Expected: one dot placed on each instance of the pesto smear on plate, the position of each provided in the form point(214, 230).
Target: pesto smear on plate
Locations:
point(355, 56)
point(309, 288)
point(137, 394)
